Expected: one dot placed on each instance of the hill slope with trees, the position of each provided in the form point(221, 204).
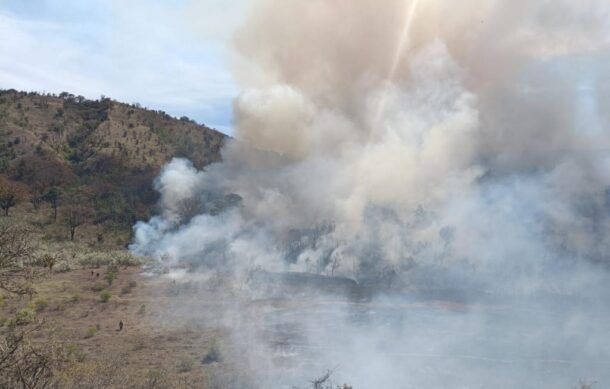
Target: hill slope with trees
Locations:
point(91, 161)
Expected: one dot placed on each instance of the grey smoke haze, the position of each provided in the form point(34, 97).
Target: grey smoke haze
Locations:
point(466, 150)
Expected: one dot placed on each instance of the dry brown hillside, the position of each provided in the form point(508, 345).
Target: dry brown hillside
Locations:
point(75, 174)
point(108, 150)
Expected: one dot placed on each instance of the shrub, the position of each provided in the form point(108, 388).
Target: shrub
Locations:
point(157, 379)
point(74, 352)
point(110, 277)
point(63, 267)
point(112, 271)
point(213, 354)
point(98, 287)
point(185, 364)
point(75, 298)
point(125, 259)
point(90, 332)
point(24, 317)
point(93, 258)
point(40, 304)
point(139, 344)
point(105, 296)
point(90, 260)
point(127, 288)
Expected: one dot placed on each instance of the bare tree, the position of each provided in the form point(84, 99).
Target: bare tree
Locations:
point(10, 194)
point(585, 385)
point(320, 383)
point(38, 194)
point(26, 364)
point(189, 208)
point(14, 253)
point(23, 363)
point(76, 213)
point(324, 382)
point(53, 197)
point(49, 261)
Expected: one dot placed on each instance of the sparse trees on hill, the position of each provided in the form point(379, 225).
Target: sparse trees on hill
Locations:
point(72, 142)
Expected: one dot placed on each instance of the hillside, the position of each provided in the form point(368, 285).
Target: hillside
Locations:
point(109, 151)
point(75, 174)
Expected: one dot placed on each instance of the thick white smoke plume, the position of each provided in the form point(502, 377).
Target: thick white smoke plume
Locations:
point(419, 145)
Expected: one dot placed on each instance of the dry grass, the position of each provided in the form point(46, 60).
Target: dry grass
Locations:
point(149, 352)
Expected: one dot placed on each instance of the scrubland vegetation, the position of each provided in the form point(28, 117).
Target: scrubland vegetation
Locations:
point(59, 324)
point(75, 175)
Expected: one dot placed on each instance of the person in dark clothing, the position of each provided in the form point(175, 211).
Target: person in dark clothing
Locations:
point(120, 325)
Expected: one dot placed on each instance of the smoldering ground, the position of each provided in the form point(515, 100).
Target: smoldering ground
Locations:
point(430, 151)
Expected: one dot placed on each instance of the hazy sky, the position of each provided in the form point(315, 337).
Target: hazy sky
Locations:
point(165, 54)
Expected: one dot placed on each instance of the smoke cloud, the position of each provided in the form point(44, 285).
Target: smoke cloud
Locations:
point(431, 147)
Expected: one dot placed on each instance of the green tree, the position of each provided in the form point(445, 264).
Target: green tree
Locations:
point(53, 197)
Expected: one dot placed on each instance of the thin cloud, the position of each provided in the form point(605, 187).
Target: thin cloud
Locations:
point(149, 54)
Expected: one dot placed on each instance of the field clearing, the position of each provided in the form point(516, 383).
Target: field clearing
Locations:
point(70, 306)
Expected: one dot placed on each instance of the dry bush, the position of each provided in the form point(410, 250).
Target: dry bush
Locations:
point(93, 258)
point(23, 363)
point(15, 252)
point(98, 287)
point(125, 290)
point(156, 379)
point(90, 332)
point(27, 364)
point(94, 375)
point(63, 267)
point(185, 363)
point(23, 317)
point(116, 373)
point(70, 255)
point(325, 382)
point(213, 355)
point(105, 296)
point(40, 304)
point(11, 193)
point(129, 287)
point(75, 298)
point(110, 276)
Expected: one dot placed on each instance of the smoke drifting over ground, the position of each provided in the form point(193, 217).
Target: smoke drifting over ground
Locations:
point(454, 149)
